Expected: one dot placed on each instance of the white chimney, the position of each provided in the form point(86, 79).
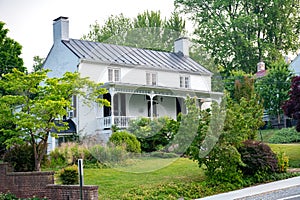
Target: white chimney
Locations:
point(60, 29)
point(182, 45)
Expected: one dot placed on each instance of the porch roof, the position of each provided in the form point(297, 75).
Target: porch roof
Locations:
point(160, 90)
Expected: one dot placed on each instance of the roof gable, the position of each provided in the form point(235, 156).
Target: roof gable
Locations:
point(123, 55)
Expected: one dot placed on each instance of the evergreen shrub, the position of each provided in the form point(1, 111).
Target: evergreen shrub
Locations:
point(127, 139)
point(20, 157)
point(69, 175)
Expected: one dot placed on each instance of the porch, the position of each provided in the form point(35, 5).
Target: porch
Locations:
point(119, 121)
point(129, 102)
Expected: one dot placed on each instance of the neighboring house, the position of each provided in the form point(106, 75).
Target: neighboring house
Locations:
point(295, 65)
point(140, 82)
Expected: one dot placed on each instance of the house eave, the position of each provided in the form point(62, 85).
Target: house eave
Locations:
point(145, 67)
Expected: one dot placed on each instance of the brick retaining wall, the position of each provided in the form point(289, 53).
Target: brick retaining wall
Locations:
point(41, 184)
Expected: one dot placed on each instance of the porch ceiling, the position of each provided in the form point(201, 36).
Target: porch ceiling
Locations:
point(161, 91)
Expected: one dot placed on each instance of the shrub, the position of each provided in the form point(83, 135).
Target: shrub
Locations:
point(20, 157)
point(69, 175)
point(258, 158)
point(153, 134)
point(283, 162)
point(285, 135)
point(68, 154)
point(130, 141)
point(160, 154)
point(108, 155)
point(57, 159)
point(10, 196)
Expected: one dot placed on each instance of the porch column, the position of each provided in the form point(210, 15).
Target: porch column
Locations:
point(151, 104)
point(112, 114)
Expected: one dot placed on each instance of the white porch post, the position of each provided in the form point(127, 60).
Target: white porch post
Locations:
point(112, 114)
point(151, 105)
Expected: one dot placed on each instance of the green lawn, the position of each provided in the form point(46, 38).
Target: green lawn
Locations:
point(115, 183)
point(265, 135)
point(291, 150)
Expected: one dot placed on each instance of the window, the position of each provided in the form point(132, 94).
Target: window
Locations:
point(184, 81)
point(114, 75)
point(151, 78)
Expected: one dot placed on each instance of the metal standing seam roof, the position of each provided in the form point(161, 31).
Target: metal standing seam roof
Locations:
point(115, 54)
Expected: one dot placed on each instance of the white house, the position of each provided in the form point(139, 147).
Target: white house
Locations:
point(140, 82)
point(295, 65)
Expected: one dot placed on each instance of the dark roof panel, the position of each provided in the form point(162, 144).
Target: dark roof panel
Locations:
point(115, 54)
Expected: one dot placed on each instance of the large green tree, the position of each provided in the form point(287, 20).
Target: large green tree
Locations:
point(240, 33)
point(274, 88)
point(37, 104)
point(147, 30)
point(10, 52)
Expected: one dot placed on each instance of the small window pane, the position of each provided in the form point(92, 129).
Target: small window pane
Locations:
point(187, 82)
point(117, 75)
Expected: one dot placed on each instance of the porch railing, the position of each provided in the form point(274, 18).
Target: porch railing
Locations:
point(119, 121)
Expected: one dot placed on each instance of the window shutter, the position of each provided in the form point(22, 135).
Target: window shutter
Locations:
point(148, 78)
point(154, 79)
point(110, 75)
point(181, 82)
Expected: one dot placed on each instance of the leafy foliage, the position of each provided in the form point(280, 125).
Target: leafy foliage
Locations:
point(148, 30)
point(224, 130)
point(20, 157)
point(153, 134)
point(10, 196)
point(37, 102)
point(130, 141)
point(283, 162)
point(258, 157)
point(10, 52)
point(291, 107)
point(69, 175)
point(68, 154)
point(285, 135)
point(274, 87)
point(238, 34)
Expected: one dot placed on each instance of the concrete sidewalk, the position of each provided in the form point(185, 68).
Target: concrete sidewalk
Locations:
point(256, 190)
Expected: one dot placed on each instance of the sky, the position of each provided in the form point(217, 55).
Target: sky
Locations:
point(30, 21)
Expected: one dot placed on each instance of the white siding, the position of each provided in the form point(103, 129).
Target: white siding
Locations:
point(99, 73)
point(166, 107)
point(295, 65)
point(60, 60)
point(137, 105)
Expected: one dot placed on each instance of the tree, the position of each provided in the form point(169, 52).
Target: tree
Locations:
point(291, 107)
point(232, 122)
point(274, 87)
point(114, 25)
point(38, 63)
point(148, 30)
point(239, 34)
point(10, 52)
point(38, 104)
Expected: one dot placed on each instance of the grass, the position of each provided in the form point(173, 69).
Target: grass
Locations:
point(291, 150)
point(114, 183)
point(265, 135)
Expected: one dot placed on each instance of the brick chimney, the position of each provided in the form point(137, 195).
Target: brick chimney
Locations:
point(60, 29)
point(182, 45)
